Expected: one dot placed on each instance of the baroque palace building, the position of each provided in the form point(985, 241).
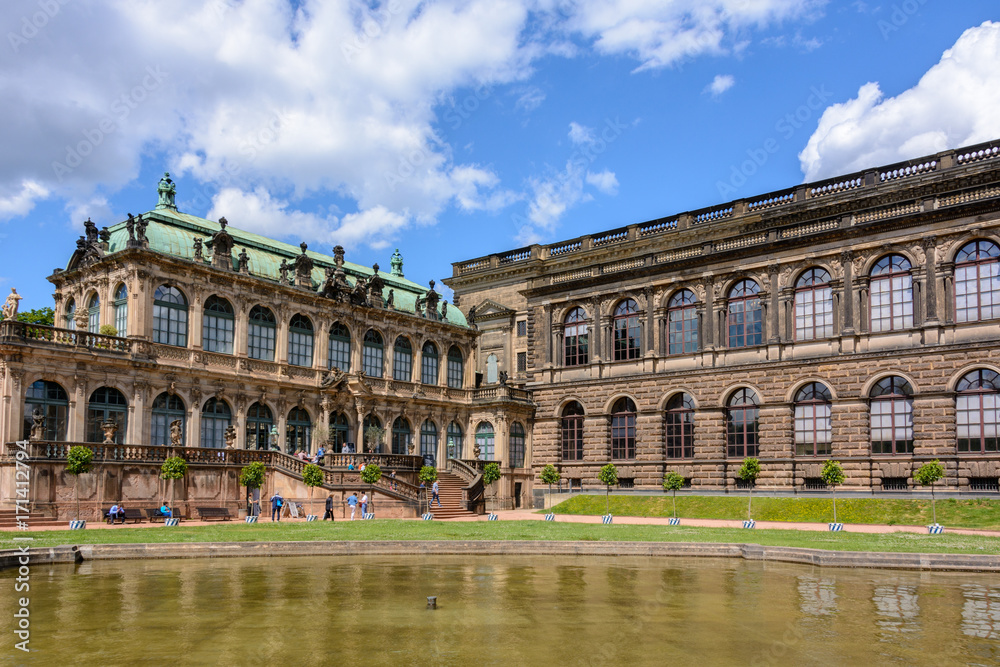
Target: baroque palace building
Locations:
point(854, 318)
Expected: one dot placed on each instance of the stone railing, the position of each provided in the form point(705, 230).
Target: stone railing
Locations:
point(473, 493)
point(502, 392)
point(17, 332)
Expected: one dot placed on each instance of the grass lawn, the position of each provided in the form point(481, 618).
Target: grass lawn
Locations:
point(395, 529)
point(951, 512)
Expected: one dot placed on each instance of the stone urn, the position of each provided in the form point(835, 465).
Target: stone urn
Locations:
point(476, 452)
point(110, 428)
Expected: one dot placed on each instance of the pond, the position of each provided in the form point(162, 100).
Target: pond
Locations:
point(538, 610)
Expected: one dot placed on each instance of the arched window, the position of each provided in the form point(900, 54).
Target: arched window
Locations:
point(167, 408)
point(485, 441)
point(517, 441)
point(456, 367)
point(813, 305)
point(94, 314)
point(371, 354)
point(572, 432)
point(260, 420)
point(745, 316)
point(170, 316)
point(429, 442)
point(678, 427)
point(339, 348)
point(977, 282)
point(340, 432)
point(106, 403)
point(492, 369)
point(215, 419)
point(401, 436)
point(576, 336)
point(298, 431)
point(454, 441)
point(891, 294)
point(813, 434)
point(375, 446)
point(627, 332)
point(429, 363)
point(70, 320)
point(51, 400)
point(300, 341)
point(682, 322)
point(741, 424)
point(261, 334)
point(623, 429)
point(217, 326)
point(977, 412)
point(892, 416)
point(121, 310)
point(402, 360)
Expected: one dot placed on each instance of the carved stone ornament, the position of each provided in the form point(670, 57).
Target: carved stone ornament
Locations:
point(230, 436)
point(37, 424)
point(10, 306)
point(110, 428)
point(175, 433)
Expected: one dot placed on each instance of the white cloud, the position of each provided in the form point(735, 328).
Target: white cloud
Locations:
point(554, 195)
point(720, 84)
point(580, 134)
point(953, 104)
point(23, 200)
point(529, 98)
point(605, 182)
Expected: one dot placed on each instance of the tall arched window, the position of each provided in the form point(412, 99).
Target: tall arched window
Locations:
point(215, 419)
point(623, 429)
point(339, 348)
point(517, 445)
point(121, 310)
point(813, 305)
point(572, 432)
point(401, 435)
point(340, 431)
point(429, 363)
point(371, 421)
point(576, 337)
point(485, 440)
point(429, 442)
point(454, 444)
point(813, 433)
point(70, 319)
point(298, 431)
point(261, 334)
point(977, 282)
point(627, 333)
point(371, 354)
point(892, 416)
point(402, 360)
point(94, 314)
point(106, 403)
point(682, 322)
point(456, 367)
point(170, 316)
point(300, 341)
point(167, 408)
point(741, 424)
point(678, 427)
point(745, 316)
point(217, 326)
point(52, 401)
point(891, 294)
point(977, 412)
point(260, 420)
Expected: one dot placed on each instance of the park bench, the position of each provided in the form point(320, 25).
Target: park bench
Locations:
point(131, 514)
point(206, 513)
point(155, 515)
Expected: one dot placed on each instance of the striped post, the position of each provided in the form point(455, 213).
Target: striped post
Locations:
point(252, 519)
point(674, 521)
point(492, 517)
point(368, 515)
point(311, 517)
point(606, 519)
point(171, 521)
point(750, 523)
point(935, 529)
point(77, 524)
point(836, 527)
point(427, 517)
point(550, 517)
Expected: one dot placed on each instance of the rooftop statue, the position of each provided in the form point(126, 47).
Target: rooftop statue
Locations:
point(397, 264)
point(167, 189)
point(10, 305)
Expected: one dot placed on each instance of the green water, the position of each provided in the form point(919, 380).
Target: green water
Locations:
point(499, 611)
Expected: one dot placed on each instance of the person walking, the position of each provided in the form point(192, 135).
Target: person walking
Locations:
point(277, 502)
point(364, 505)
point(434, 494)
point(329, 508)
point(352, 502)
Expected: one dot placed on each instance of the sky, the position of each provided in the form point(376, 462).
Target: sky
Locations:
point(454, 129)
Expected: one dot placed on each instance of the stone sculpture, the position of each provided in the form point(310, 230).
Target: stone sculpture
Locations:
point(10, 306)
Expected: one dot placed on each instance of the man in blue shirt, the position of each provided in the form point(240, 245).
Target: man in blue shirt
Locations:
point(276, 503)
point(352, 502)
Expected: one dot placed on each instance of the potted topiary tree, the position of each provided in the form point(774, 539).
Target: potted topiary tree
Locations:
point(748, 474)
point(428, 475)
point(673, 482)
point(370, 476)
point(833, 474)
point(491, 473)
point(550, 476)
point(78, 461)
point(173, 468)
point(252, 477)
point(608, 476)
point(926, 475)
point(373, 439)
point(312, 476)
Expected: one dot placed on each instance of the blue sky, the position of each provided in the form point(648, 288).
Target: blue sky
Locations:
point(455, 129)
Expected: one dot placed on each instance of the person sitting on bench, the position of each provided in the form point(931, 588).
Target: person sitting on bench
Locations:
point(117, 512)
point(166, 511)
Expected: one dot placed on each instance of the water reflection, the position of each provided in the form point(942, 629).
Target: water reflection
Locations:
point(981, 611)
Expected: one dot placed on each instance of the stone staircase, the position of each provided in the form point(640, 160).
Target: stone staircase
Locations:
point(8, 519)
point(450, 488)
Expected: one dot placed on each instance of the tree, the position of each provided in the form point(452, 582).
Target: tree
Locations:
point(926, 475)
point(173, 468)
point(373, 438)
point(312, 476)
point(252, 477)
point(608, 476)
point(491, 473)
point(45, 316)
point(673, 482)
point(78, 461)
point(550, 476)
point(108, 330)
point(370, 476)
point(833, 474)
point(428, 475)
point(748, 473)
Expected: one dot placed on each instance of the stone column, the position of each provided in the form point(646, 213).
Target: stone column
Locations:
point(321, 344)
point(196, 313)
point(281, 338)
point(595, 330)
point(648, 324)
point(774, 335)
point(948, 274)
point(241, 330)
point(559, 335)
point(547, 327)
point(930, 269)
point(847, 300)
point(193, 436)
point(706, 327)
point(862, 286)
